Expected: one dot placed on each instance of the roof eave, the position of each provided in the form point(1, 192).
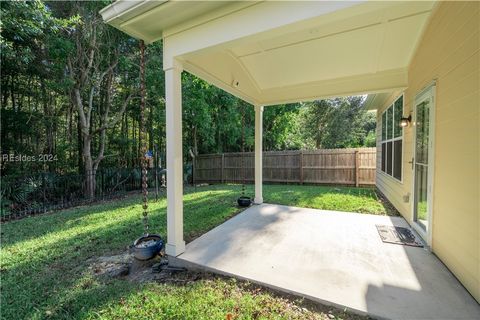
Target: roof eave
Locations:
point(119, 12)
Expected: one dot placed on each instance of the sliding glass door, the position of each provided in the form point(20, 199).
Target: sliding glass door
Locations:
point(423, 160)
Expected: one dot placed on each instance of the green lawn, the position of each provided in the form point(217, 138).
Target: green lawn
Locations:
point(44, 270)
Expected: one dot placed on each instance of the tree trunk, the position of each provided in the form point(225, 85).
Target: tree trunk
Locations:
point(134, 144)
point(47, 121)
point(195, 141)
point(90, 170)
point(79, 147)
point(12, 92)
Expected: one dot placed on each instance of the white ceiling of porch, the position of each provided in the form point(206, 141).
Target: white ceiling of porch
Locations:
point(367, 42)
point(348, 47)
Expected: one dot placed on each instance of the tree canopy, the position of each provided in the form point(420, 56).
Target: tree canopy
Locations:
point(70, 89)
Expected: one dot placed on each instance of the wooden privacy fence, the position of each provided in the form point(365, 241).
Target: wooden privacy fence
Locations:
point(325, 166)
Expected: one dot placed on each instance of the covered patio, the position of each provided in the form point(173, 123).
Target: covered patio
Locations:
point(277, 52)
point(269, 53)
point(336, 258)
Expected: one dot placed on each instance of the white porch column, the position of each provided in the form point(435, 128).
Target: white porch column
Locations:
point(173, 94)
point(258, 155)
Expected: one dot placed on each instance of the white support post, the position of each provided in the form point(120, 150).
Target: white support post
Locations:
point(173, 94)
point(258, 155)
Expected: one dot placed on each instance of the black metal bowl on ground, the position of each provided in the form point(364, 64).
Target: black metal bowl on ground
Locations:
point(244, 201)
point(146, 247)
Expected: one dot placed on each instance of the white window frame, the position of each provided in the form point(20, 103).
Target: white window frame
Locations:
point(393, 139)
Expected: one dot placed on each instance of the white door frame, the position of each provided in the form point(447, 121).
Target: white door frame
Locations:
point(426, 93)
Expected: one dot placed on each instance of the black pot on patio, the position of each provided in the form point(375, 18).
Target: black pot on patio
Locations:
point(244, 201)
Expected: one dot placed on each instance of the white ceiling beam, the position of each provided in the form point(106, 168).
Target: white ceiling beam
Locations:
point(356, 85)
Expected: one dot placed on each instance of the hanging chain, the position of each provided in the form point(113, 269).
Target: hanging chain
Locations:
point(243, 150)
point(143, 137)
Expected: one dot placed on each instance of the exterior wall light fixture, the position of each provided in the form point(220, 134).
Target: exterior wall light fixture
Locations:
point(405, 122)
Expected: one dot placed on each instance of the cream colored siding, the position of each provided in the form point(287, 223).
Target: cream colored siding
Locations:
point(449, 53)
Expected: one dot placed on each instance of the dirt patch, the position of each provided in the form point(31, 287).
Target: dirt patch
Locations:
point(111, 266)
point(125, 266)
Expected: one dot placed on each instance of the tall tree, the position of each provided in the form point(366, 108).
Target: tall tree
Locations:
point(91, 68)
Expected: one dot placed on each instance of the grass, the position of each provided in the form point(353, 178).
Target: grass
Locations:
point(422, 213)
point(44, 272)
point(363, 200)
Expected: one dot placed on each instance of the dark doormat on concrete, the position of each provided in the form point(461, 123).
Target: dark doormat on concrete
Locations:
point(398, 235)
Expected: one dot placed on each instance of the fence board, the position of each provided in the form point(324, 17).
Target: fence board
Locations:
point(353, 166)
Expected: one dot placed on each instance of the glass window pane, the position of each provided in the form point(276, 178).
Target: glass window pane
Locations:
point(398, 113)
point(397, 159)
point(389, 157)
point(389, 122)
point(421, 185)
point(384, 126)
point(384, 156)
point(421, 129)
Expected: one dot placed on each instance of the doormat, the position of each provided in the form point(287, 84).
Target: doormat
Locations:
point(398, 235)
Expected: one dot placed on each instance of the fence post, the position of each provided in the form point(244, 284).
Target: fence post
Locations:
point(301, 167)
point(356, 168)
point(223, 168)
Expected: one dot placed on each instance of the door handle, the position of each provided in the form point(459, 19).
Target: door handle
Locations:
point(411, 162)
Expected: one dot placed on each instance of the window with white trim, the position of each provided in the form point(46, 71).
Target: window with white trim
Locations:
point(392, 139)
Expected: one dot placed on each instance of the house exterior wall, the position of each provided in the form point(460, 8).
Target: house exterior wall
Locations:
point(448, 53)
point(393, 189)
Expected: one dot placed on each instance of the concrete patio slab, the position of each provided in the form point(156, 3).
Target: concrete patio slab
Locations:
point(336, 258)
